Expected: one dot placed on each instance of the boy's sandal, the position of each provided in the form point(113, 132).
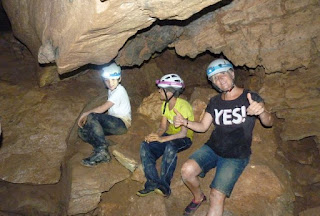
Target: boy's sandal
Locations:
point(193, 206)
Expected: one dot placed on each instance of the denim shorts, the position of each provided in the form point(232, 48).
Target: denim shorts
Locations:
point(228, 170)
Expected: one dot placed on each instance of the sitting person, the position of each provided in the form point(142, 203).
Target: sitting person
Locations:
point(233, 113)
point(168, 140)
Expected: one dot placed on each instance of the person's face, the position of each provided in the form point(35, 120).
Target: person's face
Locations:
point(223, 80)
point(162, 94)
point(112, 83)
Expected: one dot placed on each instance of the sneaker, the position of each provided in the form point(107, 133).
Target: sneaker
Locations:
point(193, 206)
point(101, 156)
point(161, 190)
point(144, 192)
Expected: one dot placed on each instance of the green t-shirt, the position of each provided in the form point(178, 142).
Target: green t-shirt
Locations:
point(186, 111)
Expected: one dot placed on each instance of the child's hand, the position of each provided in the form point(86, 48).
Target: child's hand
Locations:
point(82, 120)
point(152, 137)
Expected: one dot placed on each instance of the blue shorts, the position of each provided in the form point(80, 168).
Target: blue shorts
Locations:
point(228, 170)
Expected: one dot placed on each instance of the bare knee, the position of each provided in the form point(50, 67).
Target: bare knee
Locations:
point(216, 196)
point(190, 169)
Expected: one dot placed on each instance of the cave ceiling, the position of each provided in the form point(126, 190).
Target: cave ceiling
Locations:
point(276, 34)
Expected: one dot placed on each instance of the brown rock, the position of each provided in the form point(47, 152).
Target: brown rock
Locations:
point(138, 175)
point(151, 106)
point(310, 212)
point(104, 30)
point(198, 107)
point(295, 98)
point(221, 31)
point(153, 205)
point(37, 123)
point(128, 163)
point(200, 98)
point(87, 184)
point(306, 174)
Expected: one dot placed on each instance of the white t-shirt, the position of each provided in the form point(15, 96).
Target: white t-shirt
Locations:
point(121, 104)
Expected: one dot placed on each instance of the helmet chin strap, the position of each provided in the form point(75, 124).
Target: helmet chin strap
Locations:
point(226, 91)
point(221, 91)
point(229, 89)
point(167, 100)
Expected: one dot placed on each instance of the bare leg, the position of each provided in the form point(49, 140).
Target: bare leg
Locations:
point(189, 172)
point(217, 199)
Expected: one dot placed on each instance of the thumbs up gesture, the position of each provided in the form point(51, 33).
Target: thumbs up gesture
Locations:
point(254, 108)
point(178, 120)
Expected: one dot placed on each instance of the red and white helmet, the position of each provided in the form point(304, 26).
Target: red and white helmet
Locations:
point(171, 81)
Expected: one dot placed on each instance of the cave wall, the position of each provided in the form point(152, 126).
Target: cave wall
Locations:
point(281, 36)
point(276, 41)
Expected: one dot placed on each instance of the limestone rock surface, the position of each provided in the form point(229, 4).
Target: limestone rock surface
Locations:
point(87, 184)
point(267, 31)
point(75, 33)
point(150, 106)
point(294, 96)
point(36, 121)
point(310, 212)
point(34, 144)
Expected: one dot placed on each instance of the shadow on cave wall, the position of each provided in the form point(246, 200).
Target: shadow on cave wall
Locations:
point(4, 21)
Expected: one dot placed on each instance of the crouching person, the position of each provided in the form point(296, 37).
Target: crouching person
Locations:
point(111, 118)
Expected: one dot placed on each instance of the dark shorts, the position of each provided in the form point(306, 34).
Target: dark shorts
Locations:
point(228, 170)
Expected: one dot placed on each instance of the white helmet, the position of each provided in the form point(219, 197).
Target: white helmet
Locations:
point(218, 66)
point(112, 71)
point(171, 81)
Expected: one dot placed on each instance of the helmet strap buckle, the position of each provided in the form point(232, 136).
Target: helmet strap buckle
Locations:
point(167, 100)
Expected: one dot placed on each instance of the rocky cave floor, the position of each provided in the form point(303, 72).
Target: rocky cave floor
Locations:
point(16, 68)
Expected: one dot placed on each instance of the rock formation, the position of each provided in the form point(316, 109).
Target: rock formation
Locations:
point(75, 33)
point(273, 44)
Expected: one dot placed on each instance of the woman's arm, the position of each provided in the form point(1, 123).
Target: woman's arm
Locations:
point(258, 109)
point(266, 119)
point(201, 126)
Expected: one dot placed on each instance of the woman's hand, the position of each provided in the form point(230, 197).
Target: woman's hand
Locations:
point(178, 119)
point(254, 108)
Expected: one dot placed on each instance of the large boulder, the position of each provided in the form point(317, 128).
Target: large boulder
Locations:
point(75, 33)
point(36, 123)
point(87, 184)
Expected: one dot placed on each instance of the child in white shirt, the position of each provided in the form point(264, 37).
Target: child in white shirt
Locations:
point(95, 124)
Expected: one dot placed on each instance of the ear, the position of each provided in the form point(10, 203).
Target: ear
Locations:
point(119, 80)
point(211, 79)
point(232, 74)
